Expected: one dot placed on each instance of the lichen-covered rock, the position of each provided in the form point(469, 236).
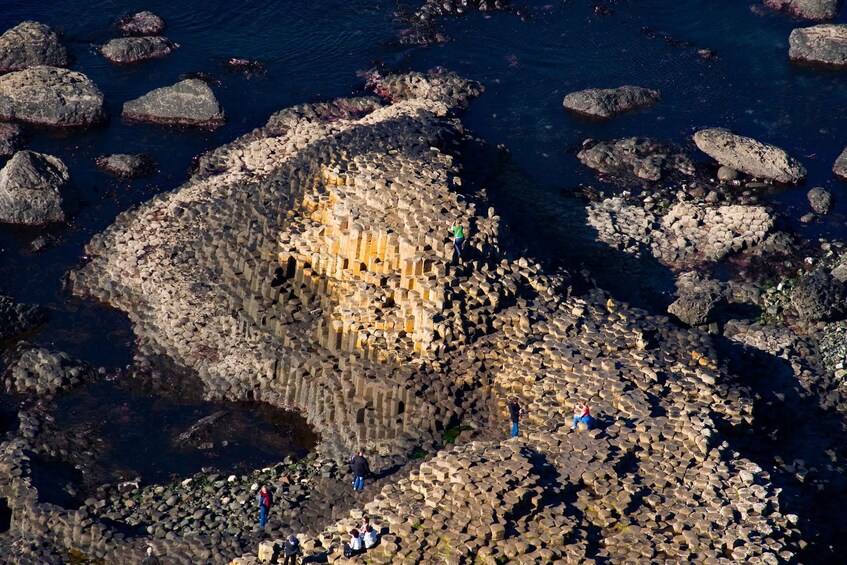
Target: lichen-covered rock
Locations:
point(51, 96)
point(818, 296)
point(17, 318)
point(141, 23)
point(820, 200)
point(11, 139)
point(824, 44)
point(189, 102)
point(31, 44)
point(127, 166)
point(136, 49)
point(33, 189)
point(809, 9)
point(749, 156)
point(608, 102)
point(639, 157)
point(840, 165)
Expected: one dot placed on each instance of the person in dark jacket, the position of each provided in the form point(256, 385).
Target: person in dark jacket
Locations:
point(515, 413)
point(360, 468)
point(265, 501)
point(291, 549)
point(150, 559)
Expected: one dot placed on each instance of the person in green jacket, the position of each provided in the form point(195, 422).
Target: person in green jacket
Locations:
point(458, 237)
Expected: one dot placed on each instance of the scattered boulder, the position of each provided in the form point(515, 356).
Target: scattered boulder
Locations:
point(51, 96)
point(818, 296)
point(825, 44)
point(17, 318)
point(30, 44)
point(609, 102)
point(727, 173)
point(820, 200)
point(141, 23)
point(33, 187)
point(641, 157)
point(840, 166)
point(188, 102)
point(809, 9)
point(699, 300)
point(749, 156)
point(127, 166)
point(136, 49)
point(11, 139)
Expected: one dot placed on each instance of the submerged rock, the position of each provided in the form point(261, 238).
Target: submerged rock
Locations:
point(825, 44)
point(818, 296)
point(30, 44)
point(820, 200)
point(608, 102)
point(840, 166)
point(640, 157)
point(51, 96)
point(33, 187)
point(749, 156)
point(141, 23)
point(809, 9)
point(17, 318)
point(127, 166)
point(137, 49)
point(188, 102)
point(11, 139)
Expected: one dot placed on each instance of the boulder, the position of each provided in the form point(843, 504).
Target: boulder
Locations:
point(51, 96)
point(699, 300)
point(136, 49)
point(141, 23)
point(820, 200)
point(33, 188)
point(840, 166)
point(825, 44)
point(17, 318)
point(127, 166)
point(818, 296)
point(188, 102)
point(11, 139)
point(809, 9)
point(639, 157)
point(608, 102)
point(749, 156)
point(30, 44)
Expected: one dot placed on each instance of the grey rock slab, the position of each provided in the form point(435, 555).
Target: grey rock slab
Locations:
point(608, 102)
point(840, 166)
point(824, 44)
point(31, 44)
point(127, 166)
point(749, 156)
point(33, 189)
point(141, 23)
point(809, 9)
point(188, 102)
point(51, 96)
point(126, 50)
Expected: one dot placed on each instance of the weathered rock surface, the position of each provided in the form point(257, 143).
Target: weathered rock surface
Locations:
point(825, 44)
point(809, 9)
point(639, 157)
point(840, 166)
point(17, 318)
point(699, 300)
point(127, 166)
point(11, 139)
point(749, 156)
point(189, 102)
point(51, 96)
point(136, 49)
point(141, 23)
point(818, 296)
point(31, 44)
point(33, 189)
point(609, 102)
point(40, 371)
point(820, 200)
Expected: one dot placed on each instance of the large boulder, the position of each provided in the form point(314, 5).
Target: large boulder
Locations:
point(809, 9)
point(141, 23)
point(820, 200)
point(825, 44)
point(818, 296)
point(749, 156)
point(11, 139)
point(127, 166)
point(51, 96)
point(608, 102)
point(136, 49)
point(30, 44)
point(840, 166)
point(188, 102)
point(699, 300)
point(33, 189)
point(17, 318)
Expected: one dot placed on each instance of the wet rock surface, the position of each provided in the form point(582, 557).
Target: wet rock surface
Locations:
point(749, 156)
point(16, 318)
point(39, 371)
point(820, 200)
point(823, 44)
point(35, 190)
point(141, 23)
point(11, 139)
point(189, 102)
point(699, 300)
point(643, 158)
point(609, 102)
point(127, 50)
point(840, 166)
point(30, 44)
point(51, 96)
point(128, 166)
point(809, 9)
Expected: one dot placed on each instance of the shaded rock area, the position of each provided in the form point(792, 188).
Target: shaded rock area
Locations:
point(35, 190)
point(749, 156)
point(424, 22)
point(818, 296)
point(141, 23)
point(639, 157)
point(699, 300)
point(823, 44)
point(820, 200)
point(840, 165)
point(17, 318)
point(136, 49)
point(31, 44)
point(609, 102)
point(127, 166)
point(51, 96)
point(11, 139)
point(40, 371)
point(189, 102)
point(809, 9)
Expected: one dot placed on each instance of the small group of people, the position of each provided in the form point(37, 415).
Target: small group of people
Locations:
point(581, 414)
point(361, 538)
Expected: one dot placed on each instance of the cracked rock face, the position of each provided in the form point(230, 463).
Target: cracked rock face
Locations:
point(189, 102)
point(609, 102)
point(31, 44)
point(33, 189)
point(749, 156)
point(824, 44)
point(51, 96)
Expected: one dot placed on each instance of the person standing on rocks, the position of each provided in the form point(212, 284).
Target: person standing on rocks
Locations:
point(582, 413)
point(515, 413)
point(360, 468)
point(150, 559)
point(458, 232)
point(291, 549)
point(265, 501)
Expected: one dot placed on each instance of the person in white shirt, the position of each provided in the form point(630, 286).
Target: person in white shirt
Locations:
point(369, 538)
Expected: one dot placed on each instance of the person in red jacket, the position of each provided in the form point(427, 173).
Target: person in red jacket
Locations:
point(582, 413)
point(265, 501)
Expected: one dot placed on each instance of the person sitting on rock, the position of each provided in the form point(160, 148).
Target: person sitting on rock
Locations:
point(515, 412)
point(291, 549)
point(370, 537)
point(582, 413)
point(355, 545)
point(458, 231)
point(360, 468)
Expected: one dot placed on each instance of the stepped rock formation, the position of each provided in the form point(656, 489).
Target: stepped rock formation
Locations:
point(308, 264)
